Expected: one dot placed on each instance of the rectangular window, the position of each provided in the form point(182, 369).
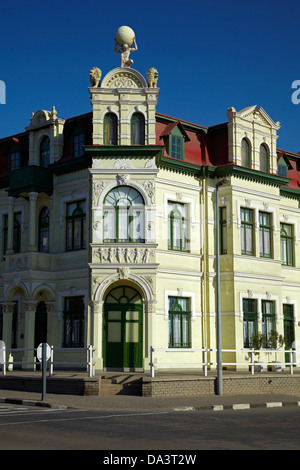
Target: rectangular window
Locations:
point(265, 235)
point(14, 328)
point(74, 322)
point(268, 321)
point(177, 226)
point(287, 244)
point(250, 321)
point(17, 232)
point(78, 142)
point(5, 231)
point(179, 322)
point(289, 326)
point(15, 162)
point(176, 147)
point(247, 232)
point(223, 231)
point(76, 226)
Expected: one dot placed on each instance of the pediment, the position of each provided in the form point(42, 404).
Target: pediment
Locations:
point(123, 78)
point(258, 115)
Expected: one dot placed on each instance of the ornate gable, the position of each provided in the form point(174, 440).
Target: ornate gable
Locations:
point(123, 78)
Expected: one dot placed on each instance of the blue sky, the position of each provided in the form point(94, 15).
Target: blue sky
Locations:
point(210, 55)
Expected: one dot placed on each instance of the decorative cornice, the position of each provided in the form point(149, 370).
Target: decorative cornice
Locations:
point(251, 175)
point(123, 151)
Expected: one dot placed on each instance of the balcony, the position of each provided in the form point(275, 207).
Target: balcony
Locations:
point(30, 179)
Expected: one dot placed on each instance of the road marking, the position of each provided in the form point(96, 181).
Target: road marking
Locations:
point(83, 417)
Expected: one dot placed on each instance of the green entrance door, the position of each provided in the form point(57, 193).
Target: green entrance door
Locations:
point(123, 328)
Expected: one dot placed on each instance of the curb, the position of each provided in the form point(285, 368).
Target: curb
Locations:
point(248, 406)
point(17, 401)
point(238, 406)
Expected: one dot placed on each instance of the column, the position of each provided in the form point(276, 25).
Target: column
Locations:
point(30, 308)
point(32, 222)
point(10, 228)
point(7, 310)
point(97, 332)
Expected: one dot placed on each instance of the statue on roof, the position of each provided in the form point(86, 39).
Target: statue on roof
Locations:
point(124, 38)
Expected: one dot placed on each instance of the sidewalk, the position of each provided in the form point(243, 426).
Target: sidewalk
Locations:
point(137, 404)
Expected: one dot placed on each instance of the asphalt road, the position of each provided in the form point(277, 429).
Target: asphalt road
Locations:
point(29, 428)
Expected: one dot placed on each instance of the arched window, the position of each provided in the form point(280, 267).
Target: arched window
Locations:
point(45, 152)
point(138, 129)
point(263, 158)
point(44, 230)
point(245, 154)
point(124, 215)
point(110, 129)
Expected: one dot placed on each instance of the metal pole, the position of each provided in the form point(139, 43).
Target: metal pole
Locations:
point(219, 331)
point(44, 364)
point(219, 335)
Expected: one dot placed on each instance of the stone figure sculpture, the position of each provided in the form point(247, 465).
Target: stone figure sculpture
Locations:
point(152, 77)
point(124, 38)
point(95, 76)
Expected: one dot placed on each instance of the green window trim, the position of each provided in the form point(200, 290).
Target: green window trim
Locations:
point(268, 321)
point(289, 325)
point(124, 216)
point(110, 129)
point(246, 154)
point(250, 321)
point(179, 322)
point(265, 235)
point(137, 129)
point(176, 144)
point(247, 232)
point(287, 244)
point(263, 158)
point(178, 228)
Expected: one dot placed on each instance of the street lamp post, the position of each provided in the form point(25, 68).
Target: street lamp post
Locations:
point(219, 332)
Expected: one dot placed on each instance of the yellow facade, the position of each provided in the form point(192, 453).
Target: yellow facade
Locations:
point(173, 280)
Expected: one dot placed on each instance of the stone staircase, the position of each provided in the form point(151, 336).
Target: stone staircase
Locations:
point(120, 384)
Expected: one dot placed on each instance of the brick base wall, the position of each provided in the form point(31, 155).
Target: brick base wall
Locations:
point(66, 386)
point(271, 384)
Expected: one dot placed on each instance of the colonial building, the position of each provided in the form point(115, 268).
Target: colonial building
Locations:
point(108, 232)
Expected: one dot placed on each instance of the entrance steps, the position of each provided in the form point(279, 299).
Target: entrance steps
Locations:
point(120, 384)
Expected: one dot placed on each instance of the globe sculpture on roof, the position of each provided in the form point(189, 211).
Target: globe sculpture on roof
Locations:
point(124, 35)
point(124, 38)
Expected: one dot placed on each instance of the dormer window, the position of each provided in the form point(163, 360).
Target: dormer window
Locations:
point(138, 129)
point(282, 168)
point(78, 143)
point(174, 136)
point(14, 161)
point(45, 152)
